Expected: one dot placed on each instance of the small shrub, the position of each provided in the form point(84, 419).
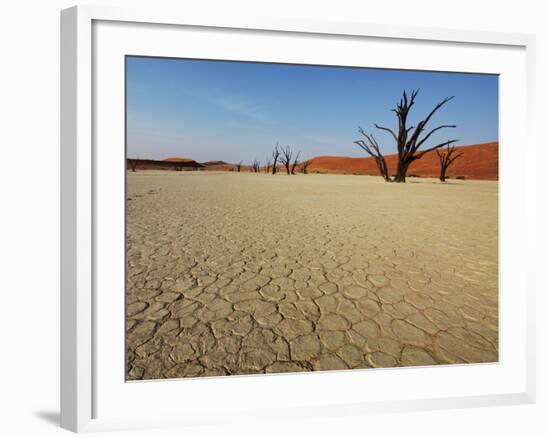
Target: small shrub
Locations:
point(460, 177)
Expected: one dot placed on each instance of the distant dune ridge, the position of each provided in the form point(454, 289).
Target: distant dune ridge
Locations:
point(178, 160)
point(219, 165)
point(215, 163)
point(479, 161)
point(167, 164)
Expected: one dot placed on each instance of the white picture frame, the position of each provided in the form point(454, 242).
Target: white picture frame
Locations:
point(89, 394)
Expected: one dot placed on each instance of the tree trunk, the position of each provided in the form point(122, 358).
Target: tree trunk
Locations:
point(401, 175)
point(442, 174)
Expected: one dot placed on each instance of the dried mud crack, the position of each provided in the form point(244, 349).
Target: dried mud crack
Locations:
point(244, 273)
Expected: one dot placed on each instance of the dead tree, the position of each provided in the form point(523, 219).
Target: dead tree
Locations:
point(372, 148)
point(133, 164)
point(255, 166)
point(446, 158)
point(239, 165)
point(267, 166)
point(286, 158)
point(409, 139)
point(304, 165)
point(275, 155)
point(178, 166)
point(295, 163)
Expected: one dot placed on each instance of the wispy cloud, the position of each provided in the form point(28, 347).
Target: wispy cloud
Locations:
point(241, 106)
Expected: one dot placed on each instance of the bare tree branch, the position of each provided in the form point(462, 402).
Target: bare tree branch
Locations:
point(412, 144)
point(428, 135)
point(394, 135)
point(440, 145)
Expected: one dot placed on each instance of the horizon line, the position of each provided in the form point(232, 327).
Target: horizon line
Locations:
point(316, 156)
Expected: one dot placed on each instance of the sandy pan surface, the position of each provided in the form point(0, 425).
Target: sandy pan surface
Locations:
point(250, 273)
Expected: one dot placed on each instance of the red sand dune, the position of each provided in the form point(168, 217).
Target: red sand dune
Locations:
point(479, 161)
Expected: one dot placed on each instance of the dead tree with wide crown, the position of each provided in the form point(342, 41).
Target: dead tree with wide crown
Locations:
point(446, 158)
point(286, 158)
point(408, 139)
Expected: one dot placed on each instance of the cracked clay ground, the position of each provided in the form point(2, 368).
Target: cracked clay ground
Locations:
point(251, 273)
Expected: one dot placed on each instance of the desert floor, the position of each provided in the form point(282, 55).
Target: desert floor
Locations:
point(233, 273)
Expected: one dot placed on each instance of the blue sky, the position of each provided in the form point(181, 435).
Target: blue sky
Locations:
point(237, 111)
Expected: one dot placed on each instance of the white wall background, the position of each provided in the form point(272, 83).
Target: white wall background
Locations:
point(29, 215)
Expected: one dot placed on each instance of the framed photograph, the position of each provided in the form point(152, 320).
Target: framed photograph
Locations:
point(256, 208)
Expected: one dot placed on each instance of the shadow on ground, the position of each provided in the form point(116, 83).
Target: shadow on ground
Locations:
point(51, 417)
